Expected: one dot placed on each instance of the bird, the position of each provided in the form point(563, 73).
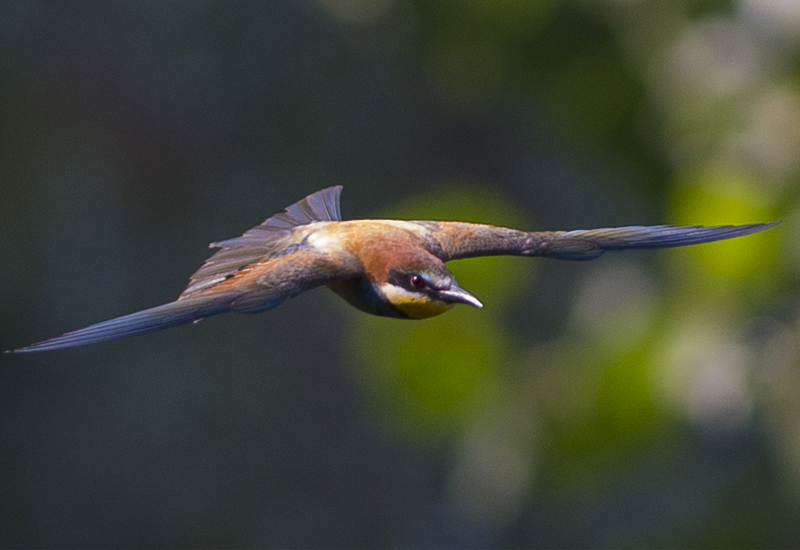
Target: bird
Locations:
point(391, 268)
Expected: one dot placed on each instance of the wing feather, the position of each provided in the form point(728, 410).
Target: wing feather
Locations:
point(590, 243)
point(456, 240)
point(267, 240)
point(259, 287)
point(141, 322)
point(254, 272)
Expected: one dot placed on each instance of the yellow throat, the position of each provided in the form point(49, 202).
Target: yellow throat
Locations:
point(414, 305)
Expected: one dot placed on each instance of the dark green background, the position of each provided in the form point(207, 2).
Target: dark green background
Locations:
point(641, 400)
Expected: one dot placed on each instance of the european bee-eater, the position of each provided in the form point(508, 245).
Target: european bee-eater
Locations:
point(385, 267)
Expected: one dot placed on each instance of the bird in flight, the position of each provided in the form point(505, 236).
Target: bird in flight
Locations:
point(390, 268)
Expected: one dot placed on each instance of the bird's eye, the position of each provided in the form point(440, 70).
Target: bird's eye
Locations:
point(417, 281)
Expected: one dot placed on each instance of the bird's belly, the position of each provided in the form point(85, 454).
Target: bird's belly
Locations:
point(360, 294)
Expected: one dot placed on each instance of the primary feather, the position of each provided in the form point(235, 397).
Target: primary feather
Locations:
point(141, 322)
point(586, 244)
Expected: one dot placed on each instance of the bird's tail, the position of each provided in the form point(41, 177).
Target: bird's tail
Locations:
point(585, 244)
point(141, 322)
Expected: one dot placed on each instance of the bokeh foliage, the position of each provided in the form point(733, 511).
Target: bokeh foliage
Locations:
point(433, 378)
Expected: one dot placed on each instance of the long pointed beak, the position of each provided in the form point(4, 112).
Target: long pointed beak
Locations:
point(456, 294)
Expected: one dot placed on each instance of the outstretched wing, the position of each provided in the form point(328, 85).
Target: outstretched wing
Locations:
point(457, 240)
point(141, 322)
point(268, 240)
point(255, 272)
point(590, 243)
point(258, 287)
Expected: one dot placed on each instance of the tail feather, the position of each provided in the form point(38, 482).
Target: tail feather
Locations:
point(586, 244)
point(141, 322)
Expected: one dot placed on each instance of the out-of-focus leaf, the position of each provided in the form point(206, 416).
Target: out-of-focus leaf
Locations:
point(432, 376)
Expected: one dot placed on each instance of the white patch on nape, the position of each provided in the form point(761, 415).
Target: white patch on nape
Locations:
point(322, 241)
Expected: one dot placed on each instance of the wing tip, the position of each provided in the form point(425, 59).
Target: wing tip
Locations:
point(26, 349)
point(767, 225)
point(742, 230)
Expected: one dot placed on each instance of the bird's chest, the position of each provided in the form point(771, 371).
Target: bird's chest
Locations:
point(361, 294)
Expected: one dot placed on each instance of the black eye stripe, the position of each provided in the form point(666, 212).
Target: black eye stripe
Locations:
point(405, 280)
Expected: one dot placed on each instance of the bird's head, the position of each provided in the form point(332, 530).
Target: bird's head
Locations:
point(419, 285)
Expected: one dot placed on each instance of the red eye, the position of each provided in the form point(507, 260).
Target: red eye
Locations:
point(417, 281)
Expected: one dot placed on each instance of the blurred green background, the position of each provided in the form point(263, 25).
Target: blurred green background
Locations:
point(641, 400)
